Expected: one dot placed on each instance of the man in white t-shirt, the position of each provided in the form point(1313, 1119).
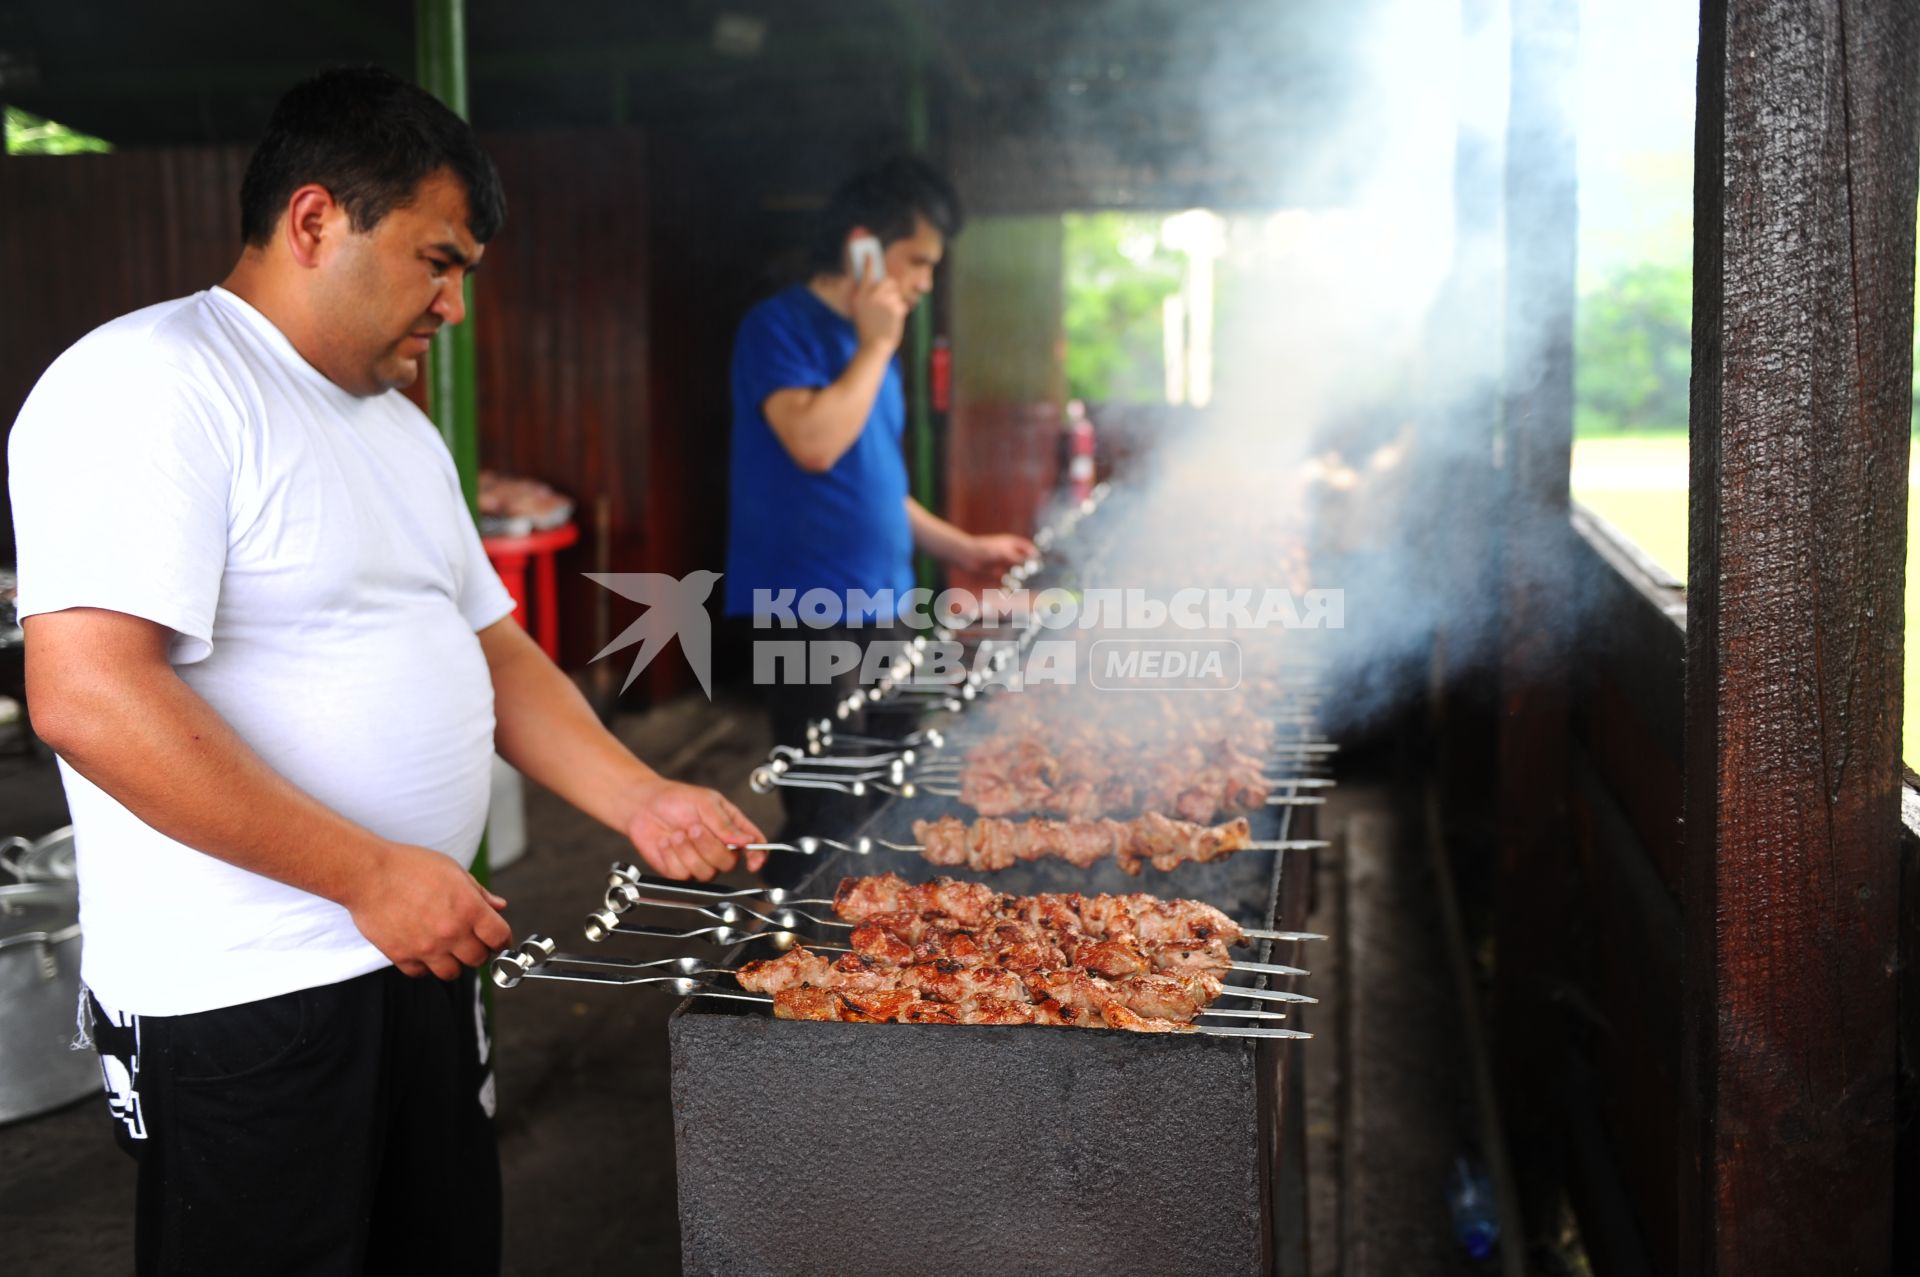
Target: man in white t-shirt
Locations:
point(270, 652)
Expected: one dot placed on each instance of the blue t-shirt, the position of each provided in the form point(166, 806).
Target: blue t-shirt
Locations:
point(787, 529)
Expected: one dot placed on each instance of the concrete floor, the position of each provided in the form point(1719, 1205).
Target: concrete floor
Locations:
point(1389, 1097)
point(587, 1134)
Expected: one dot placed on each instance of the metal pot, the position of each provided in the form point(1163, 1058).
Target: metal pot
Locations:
point(49, 859)
point(39, 989)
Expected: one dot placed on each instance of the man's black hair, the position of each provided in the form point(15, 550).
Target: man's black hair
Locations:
point(885, 200)
point(370, 138)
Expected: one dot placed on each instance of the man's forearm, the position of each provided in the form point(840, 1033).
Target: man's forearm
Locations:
point(162, 752)
point(546, 729)
point(818, 426)
point(935, 536)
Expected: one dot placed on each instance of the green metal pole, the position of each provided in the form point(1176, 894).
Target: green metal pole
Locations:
point(440, 35)
point(441, 65)
point(920, 334)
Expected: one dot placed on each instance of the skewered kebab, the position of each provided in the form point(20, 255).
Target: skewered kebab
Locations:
point(535, 958)
point(1027, 945)
point(941, 980)
point(966, 924)
point(1146, 917)
point(966, 903)
point(1085, 784)
point(832, 1004)
point(991, 844)
point(1200, 798)
point(1119, 955)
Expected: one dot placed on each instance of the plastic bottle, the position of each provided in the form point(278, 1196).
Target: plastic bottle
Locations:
point(1080, 450)
point(1476, 1222)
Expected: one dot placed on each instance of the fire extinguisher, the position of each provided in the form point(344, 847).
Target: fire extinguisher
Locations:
point(1080, 448)
point(940, 375)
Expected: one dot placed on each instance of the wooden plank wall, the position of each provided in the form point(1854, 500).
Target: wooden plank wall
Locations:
point(563, 353)
point(567, 363)
point(1622, 943)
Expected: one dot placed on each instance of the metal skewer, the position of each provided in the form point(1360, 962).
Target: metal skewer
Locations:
point(910, 788)
point(536, 959)
point(729, 913)
point(824, 733)
point(787, 919)
point(1264, 995)
point(607, 923)
point(765, 778)
point(536, 950)
point(1293, 843)
point(782, 758)
point(627, 875)
point(624, 874)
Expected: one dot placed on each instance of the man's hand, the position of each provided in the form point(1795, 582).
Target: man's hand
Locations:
point(426, 913)
point(879, 313)
point(996, 552)
point(684, 831)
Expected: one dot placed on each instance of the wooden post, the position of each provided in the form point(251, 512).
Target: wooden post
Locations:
point(1802, 350)
point(1455, 466)
point(1537, 446)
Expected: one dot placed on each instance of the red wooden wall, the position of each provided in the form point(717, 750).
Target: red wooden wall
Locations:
point(85, 238)
point(1003, 436)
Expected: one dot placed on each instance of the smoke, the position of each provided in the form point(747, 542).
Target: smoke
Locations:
point(1354, 157)
point(1333, 382)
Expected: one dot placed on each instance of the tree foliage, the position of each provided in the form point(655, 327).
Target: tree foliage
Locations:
point(28, 134)
point(1635, 351)
point(1118, 276)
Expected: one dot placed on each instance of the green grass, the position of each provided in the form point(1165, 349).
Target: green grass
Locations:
point(1630, 481)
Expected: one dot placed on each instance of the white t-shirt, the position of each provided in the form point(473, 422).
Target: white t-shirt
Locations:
point(313, 557)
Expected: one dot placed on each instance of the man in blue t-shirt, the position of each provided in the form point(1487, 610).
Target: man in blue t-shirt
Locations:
point(819, 495)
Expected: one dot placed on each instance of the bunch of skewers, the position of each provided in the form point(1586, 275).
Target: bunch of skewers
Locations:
point(946, 952)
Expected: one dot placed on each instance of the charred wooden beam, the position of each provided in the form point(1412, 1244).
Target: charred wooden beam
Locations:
point(1537, 446)
point(1802, 351)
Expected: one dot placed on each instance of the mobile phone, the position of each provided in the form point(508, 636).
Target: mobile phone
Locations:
point(869, 263)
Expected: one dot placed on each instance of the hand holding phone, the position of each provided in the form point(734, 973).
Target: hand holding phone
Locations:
point(879, 311)
point(868, 261)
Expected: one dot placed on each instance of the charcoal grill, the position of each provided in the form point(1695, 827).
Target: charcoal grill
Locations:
point(911, 1149)
point(807, 1147)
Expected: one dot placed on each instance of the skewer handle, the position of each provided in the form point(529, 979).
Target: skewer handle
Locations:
point(786, 757)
